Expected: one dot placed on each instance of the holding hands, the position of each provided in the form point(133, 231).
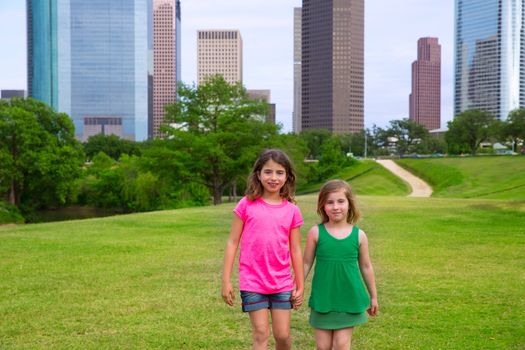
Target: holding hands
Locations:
point(297, 298)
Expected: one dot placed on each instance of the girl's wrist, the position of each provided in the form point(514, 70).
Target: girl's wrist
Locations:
point(299, 285)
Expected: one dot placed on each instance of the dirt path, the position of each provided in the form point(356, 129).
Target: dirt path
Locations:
point(419, 187)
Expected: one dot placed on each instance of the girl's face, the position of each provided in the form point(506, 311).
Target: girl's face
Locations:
point(336, 206)
point(272, 177)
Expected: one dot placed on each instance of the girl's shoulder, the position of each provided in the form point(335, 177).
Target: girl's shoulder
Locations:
point(293, 205)
point(246, 201)
point(362, 236)
point(313, 232)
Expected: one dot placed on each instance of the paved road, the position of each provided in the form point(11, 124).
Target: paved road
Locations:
point(419, 187)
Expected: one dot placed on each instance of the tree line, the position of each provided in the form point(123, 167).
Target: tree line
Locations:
point(212, 136)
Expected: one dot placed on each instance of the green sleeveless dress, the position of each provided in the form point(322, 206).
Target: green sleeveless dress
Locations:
point(339, 298)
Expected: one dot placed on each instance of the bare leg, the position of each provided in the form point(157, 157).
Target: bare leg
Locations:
point(343, 338)
point(323, 339)
point(260, 329)
point(281, 328)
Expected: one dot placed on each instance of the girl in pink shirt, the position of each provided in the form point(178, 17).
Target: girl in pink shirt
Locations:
point(266, 223)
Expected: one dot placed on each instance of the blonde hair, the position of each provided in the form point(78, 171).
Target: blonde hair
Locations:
point(331, 186)
point(254, 187)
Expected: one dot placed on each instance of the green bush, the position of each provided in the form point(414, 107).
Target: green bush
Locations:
point(9, 214)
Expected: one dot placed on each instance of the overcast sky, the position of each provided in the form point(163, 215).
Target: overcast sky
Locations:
point(392, 29)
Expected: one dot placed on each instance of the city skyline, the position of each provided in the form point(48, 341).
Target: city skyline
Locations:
point(391, 33)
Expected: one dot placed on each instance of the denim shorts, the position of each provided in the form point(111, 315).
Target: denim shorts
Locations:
point(252, 301)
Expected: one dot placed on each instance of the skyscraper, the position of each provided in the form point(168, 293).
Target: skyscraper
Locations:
point(219, 52)
point(333, 65)
point(425, 99)
point(166, 59)
point(94, 61)
point(489, 56)
point(89, 60)
point(297, 101)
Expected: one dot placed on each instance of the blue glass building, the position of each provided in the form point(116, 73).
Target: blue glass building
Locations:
point(489, 56)
point(89, 59)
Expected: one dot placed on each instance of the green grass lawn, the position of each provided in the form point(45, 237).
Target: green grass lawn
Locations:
point(498, 177)
point(450, 275)
point(366, 178)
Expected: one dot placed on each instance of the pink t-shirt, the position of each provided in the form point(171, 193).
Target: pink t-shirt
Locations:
point(264, 259)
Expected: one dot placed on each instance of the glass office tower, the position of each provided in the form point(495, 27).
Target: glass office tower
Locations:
point(489, 56)
point(89, 59)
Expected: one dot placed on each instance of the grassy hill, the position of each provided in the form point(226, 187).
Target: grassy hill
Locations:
point(450, 275)
point(499, 177)
point(366, 178)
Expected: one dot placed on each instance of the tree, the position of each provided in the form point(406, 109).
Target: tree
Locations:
point(377, 141)
point(220, 130)
point(434, 144)
point(40, 157)
point(314, 139)
point(112, 145)
point(408, 134)
point(332, 159)
point(514, 127)
point(468, 129)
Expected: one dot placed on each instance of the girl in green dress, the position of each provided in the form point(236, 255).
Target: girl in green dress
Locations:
point(339, 300)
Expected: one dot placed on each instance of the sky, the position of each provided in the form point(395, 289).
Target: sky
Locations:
point(392, 29)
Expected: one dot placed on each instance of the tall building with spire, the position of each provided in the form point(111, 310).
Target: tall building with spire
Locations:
point(425, 99)
point(333, 65)
point(489, 56)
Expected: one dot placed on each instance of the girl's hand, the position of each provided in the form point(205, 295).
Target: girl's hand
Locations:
point(227, 293)
point(373, 308)
point(297, 298)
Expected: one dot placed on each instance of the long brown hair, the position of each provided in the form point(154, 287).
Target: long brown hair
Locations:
point(336, 185)
point(254, 187)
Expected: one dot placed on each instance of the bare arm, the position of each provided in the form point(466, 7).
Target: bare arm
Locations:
point(309, 250)
point(367, 270)
point(297, 264)
point(229, 258)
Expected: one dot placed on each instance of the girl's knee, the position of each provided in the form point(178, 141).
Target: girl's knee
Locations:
point(342, 341)
point(324, 346)
point(261, 334)
point(340, 344)
point(282, 338)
